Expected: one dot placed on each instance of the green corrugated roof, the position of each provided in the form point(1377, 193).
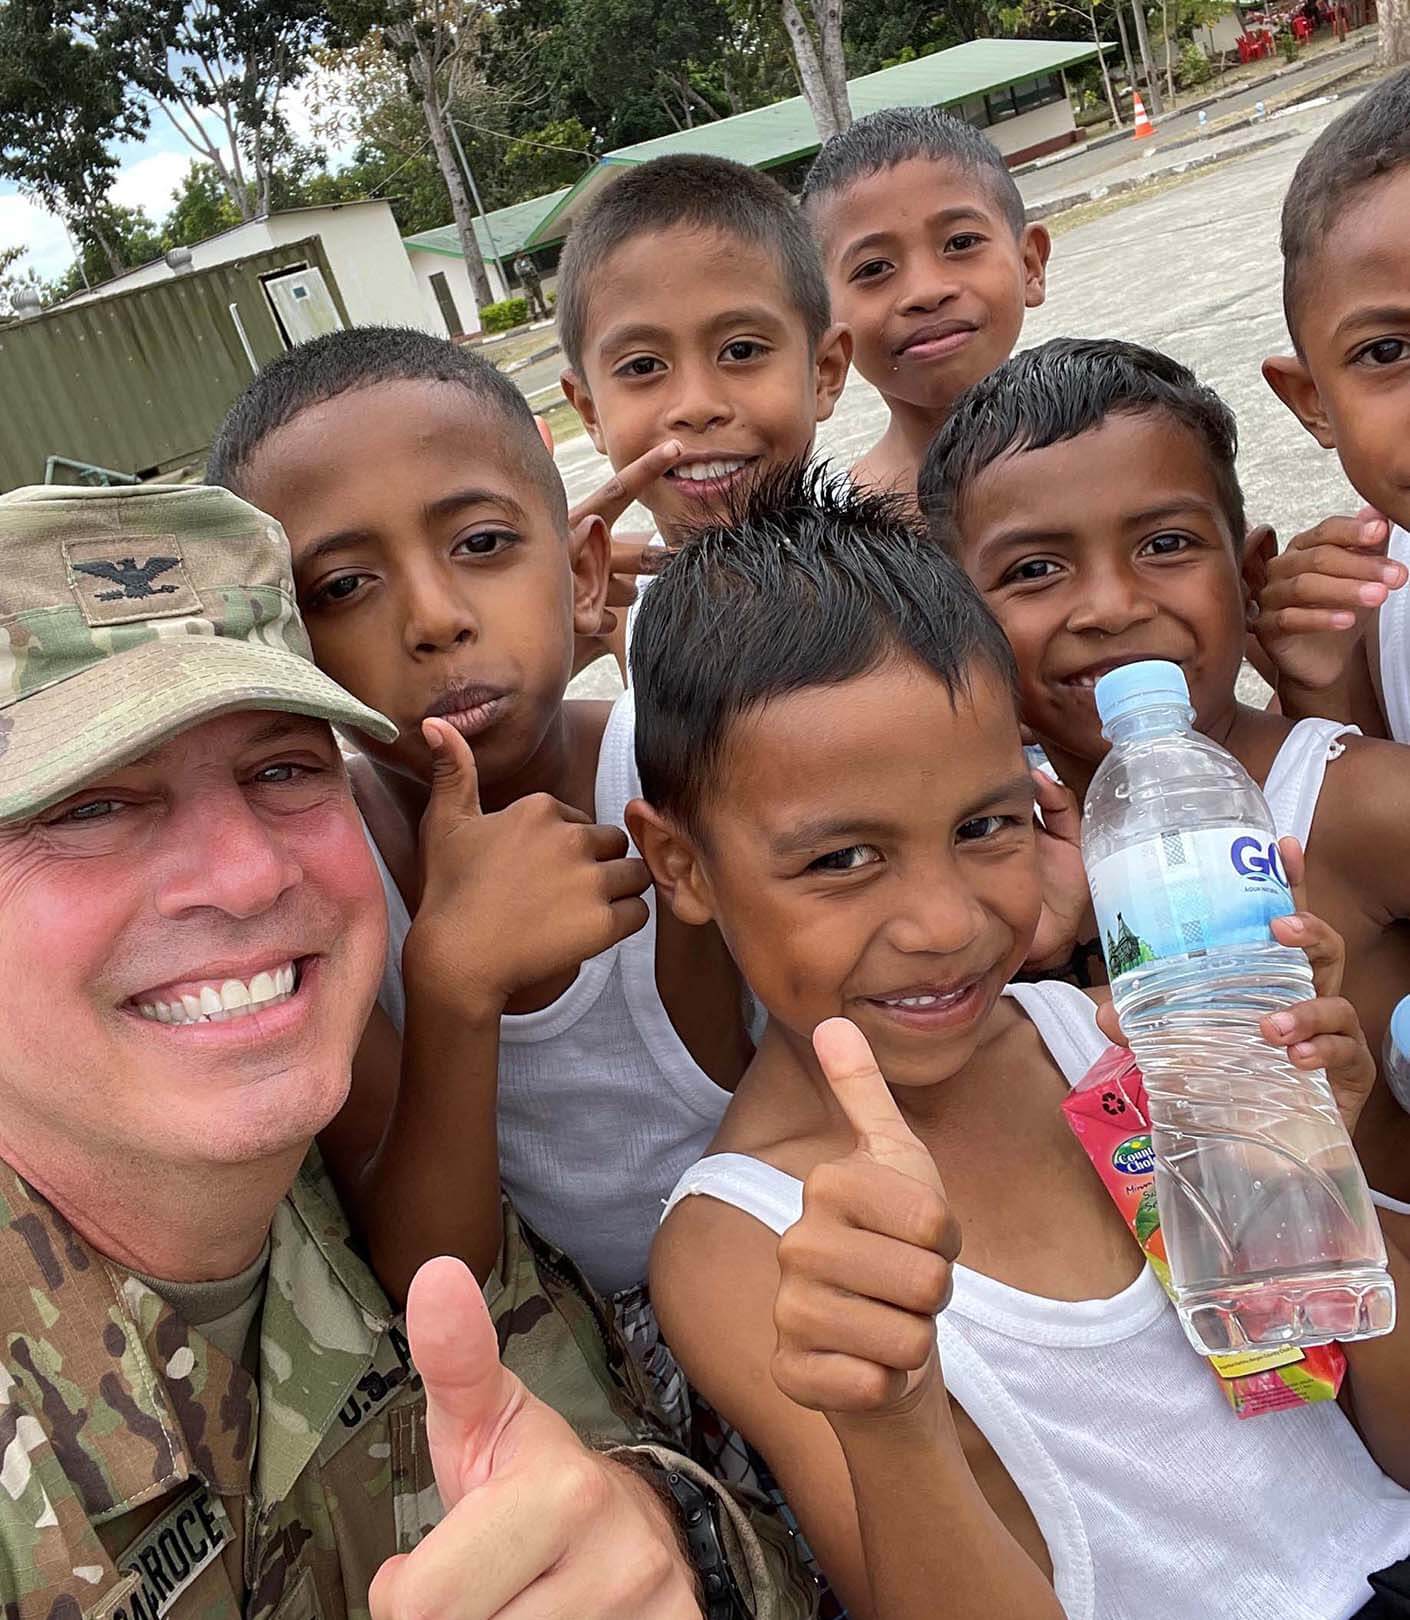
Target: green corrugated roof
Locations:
point(511, 228)
point(779, 133)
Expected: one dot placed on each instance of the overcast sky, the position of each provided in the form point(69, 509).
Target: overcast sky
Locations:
point(151, 170)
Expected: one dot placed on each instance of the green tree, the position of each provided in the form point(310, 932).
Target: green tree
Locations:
point(437, 47)
point(201, 208)
point(62, 104)
point(127, 232)
point(546, 158)
point(233, 58)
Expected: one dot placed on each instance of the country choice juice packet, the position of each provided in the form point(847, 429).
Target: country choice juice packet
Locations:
point(1109, 1116)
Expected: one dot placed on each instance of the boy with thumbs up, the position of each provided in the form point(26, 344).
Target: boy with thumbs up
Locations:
point(833, 774)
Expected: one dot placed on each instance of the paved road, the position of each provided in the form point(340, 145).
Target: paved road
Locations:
point(1195, 271)
point(1084, 167)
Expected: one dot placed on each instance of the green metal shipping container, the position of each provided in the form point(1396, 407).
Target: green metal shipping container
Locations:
point(139, 381)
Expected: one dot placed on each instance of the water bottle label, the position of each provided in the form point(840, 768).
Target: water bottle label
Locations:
point(1182, 892)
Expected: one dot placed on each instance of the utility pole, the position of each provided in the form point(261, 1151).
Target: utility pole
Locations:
point(1143, 38)
point(469, 174)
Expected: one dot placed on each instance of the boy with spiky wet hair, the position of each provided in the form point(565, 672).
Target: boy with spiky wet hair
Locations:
point(1334, 618)
point(929, 261)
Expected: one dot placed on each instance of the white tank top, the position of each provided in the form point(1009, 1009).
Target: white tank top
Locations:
point(1294, 782)
point(601, 1107)
point(1154, 1499)
point(1395, 645)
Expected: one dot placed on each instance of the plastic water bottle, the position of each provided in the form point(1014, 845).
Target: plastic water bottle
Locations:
point(1268, 1224)
point(1395, 1057)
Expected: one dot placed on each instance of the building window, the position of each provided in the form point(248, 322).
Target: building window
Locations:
point(1000, 105)
point(1037, 92)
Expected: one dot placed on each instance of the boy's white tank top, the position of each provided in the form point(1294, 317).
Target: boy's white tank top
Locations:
point(1294, 781)
point(1154, 1499)
point(601, 1107)
point(1395, 645)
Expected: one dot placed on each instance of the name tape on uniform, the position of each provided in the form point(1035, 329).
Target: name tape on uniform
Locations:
point(170, 1553)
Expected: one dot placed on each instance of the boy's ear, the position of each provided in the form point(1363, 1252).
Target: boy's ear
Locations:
point(575, 391)
point(1287, 375)
point(674, 863)
point(1035, 245)
point(1260, 548)
point(590, 556)
point(831, 358)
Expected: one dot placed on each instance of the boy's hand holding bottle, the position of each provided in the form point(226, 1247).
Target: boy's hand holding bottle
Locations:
point(512, 897)
point(867, 1268)
point(1323, 1032)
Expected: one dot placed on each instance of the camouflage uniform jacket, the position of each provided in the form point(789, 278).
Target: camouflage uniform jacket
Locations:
point(144, 1474)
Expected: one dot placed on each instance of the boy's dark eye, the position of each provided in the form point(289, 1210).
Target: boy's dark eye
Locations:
point(484, 543)
point(962, 241)
point(870, 270)
point(339, 589)
point(846, 860)
point(744, 349)
point(1033, 568)
point(1384, 352)
point(1167, 545)
point(982, 827)
point(641, 365)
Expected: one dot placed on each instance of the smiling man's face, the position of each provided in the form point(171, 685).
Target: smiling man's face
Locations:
point(189, 949)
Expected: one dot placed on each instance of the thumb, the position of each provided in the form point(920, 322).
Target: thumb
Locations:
point(470, 1396)
point(455, 783)
point(864, 1097)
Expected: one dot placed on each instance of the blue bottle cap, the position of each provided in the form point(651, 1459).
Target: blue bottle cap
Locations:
point(1152, 684)
point(1400, 1027)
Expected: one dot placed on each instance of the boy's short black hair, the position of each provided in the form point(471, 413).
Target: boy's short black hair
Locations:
point(343, 362)
point(1057, 391)
point(883, 139)
point(700, 193)
point(1369, 140)
point(813, 583)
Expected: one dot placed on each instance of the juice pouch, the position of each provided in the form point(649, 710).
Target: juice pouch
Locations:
point(1108, 1113)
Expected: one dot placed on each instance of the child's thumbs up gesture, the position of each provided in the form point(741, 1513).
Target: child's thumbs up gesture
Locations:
point(866, 1269)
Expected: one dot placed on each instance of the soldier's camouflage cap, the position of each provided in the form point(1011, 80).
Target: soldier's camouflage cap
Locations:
point(127, 615)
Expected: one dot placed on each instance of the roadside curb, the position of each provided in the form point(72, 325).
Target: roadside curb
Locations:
point(1225, 94)
point(1118, 188)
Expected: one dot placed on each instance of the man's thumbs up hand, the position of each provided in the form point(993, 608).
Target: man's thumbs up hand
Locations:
point(865, 1271)
point(536, 1526)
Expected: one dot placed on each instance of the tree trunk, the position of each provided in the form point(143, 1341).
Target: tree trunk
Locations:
point(1125, 44)
point(1111, 100)
point(104, 241)
point(1169, 52)
point(1394, 36)
point(1143, 39)
point(810, 72)
point(424, 78)
point(834, 62)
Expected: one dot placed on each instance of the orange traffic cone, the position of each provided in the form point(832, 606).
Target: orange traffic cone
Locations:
point(1144, 126)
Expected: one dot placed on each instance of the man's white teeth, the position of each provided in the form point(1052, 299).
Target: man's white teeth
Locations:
point(233, 999)
point(698, 472)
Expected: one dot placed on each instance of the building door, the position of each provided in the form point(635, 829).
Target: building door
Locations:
point(449, 313)
point(303, 307)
